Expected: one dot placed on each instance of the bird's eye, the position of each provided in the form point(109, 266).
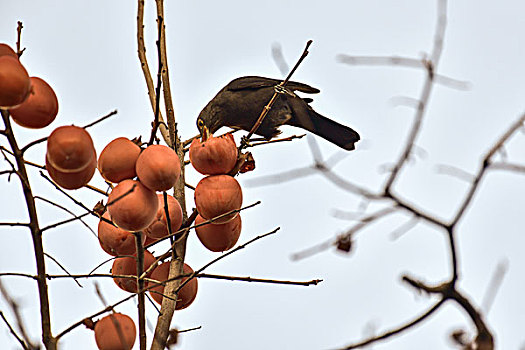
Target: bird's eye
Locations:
point(200, 123)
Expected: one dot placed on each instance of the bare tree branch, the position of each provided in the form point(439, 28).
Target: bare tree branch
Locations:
point(398, 330)
point(23, 339)
point(20, 340)
point(47, 337)
point(407, 62)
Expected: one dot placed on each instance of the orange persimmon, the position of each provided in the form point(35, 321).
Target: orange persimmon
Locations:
point(6, 50)
point(115, 332)
point(70, 149)
point(114, 240)
point(159, 227)
point(73, 180)
point(158, 167)
point(217, 155)
point(216, 195)
point(127, 265)
point(218, 237)
point(39, 109)
point(117, 160)
point(132, 206)
point(15, 84)
point(186, 294)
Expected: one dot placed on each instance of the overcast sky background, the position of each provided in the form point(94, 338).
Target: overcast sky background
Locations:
point(86, 50)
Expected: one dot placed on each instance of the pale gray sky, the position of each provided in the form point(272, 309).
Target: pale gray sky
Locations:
point(87, 51)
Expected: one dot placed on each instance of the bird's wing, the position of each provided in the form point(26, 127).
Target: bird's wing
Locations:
point(255, 82)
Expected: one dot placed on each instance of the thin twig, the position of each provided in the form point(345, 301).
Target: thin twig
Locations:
point(156, 122)
point(58, 188)
point(168, 102)
point(363, 222)
point(266, 109)
point(102, 264)
point(190, 329)
point(396, 330)
point(455, 172)
point(23, 224)
point(101, 119)
point(43, 139)
point(485, 166)
point(141, 50)
point(41, 167)
point(494, 285)
point(67, 211)
point(518, 168)
point(19, 274)
point(66, 221)
point(278, 58)
point(15, 309)
point(81, 322)
point(182, 232)
point(199, 271)
point(404, 228)
point(242, 246)
point(62, 268)
point(284, 139)
point(259, 280)
point(20, 340)
point(407, 62)
point(19, 50)
point(431, 67)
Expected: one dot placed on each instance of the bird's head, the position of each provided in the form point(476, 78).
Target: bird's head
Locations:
point(203, 129)
point(208, 122)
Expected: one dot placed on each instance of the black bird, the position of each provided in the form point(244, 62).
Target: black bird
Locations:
point(239, 104)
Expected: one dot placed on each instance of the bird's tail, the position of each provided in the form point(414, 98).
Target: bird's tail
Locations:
point(305, 117)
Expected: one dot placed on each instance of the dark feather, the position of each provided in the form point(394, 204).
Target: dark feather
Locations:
point(240, 103)
point(255, 82)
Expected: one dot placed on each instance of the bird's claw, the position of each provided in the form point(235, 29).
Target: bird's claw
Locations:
point(245, 142)
point(283, 90)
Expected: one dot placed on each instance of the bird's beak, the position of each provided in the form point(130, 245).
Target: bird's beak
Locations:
point(205, 133)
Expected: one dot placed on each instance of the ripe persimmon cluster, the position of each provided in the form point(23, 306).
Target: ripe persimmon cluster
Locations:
point(218, 196)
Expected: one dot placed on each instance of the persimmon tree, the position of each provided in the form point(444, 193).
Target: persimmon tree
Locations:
point(133, 217)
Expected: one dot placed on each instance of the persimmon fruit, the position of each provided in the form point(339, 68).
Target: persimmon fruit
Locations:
point(39, 109)
point(216, 195)
point(115, 332)
point(117, 160)
point(127, 265)
point(149, 240)
point(6, 50)
point(132, 206)
point(70, 149)
point(15, 84)
point(216, 155)
point(72, 180)
point(186, 294)
point(158, 167)
point(218, 237)
point(159, 227)
point(114, 240)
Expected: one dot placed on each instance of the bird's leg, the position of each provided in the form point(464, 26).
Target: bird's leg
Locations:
point(246, 142)
point(283, 90)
